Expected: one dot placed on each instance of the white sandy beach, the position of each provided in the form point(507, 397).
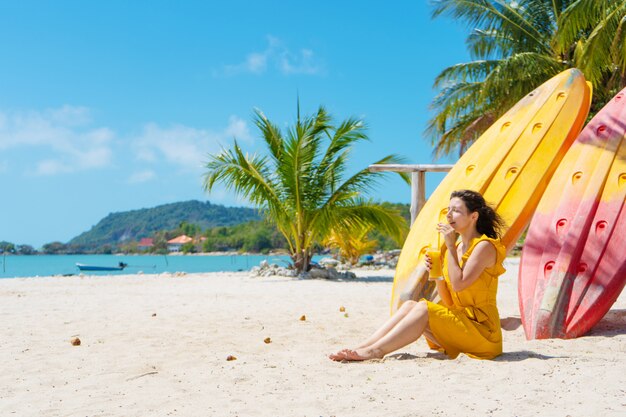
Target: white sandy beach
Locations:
point(156, 345)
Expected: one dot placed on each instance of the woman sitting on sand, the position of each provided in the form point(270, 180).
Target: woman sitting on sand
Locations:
point(466, 320)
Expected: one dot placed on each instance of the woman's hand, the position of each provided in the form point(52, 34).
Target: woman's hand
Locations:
point(428, 263)
point(448, 233)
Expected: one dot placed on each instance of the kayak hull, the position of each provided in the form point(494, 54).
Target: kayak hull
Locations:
point(573, 266)
point(510, 164)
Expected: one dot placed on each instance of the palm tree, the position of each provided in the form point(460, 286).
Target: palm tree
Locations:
point(516, 46)
point(352, 244)
point(595, 31)
point(301, 186)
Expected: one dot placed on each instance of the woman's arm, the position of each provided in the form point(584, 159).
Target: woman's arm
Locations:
point(444, 293)
point(483, 256)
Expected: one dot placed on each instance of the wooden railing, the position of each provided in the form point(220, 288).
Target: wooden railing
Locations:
point(418, 181)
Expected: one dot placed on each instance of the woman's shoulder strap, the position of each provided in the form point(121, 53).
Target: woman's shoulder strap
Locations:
point(500, 252)
point(495, 242)
point(499, 247)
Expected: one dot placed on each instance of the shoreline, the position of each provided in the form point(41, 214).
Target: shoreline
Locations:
point(158, 345)
point(65, 265)
point(218, 253)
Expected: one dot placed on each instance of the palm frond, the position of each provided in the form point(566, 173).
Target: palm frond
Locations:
point(602, 45)
point(248, 176)
point(453, 102)
point(466, 71)
point(517, 75)
point(345, 135)
point(271, 134)
point(360, 183)
point(619, 46)
point(492, 16)
point(362, 212)
point(486, 44)
point(333, 163)
point(576, 21)
point(297, 168)
point(516, 46)
point(462, 133)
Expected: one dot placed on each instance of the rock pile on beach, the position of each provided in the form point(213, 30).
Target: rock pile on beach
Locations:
point(379, 260)
point(328, 273)
point(384, 259)
point(330, 268)
point(265, 269)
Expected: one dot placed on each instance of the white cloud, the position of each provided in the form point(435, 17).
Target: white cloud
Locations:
point(52, 167)
point(64, 141)
point(186, 146)
point(256, 63)
point(141, 177)
point(63, 134)
point(143, 152)
point(278, 57)
point(238, 128)
point(70, 115)
point(301, 63)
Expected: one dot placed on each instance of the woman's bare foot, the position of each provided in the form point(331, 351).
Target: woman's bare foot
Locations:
point(339, 355)
point(350, 355)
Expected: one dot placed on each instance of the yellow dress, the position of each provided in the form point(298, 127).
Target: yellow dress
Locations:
point(472, 324)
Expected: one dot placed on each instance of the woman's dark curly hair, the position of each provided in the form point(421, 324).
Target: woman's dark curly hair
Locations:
point(489, 222)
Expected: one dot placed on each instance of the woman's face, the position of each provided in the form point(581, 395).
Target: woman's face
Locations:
point(459, 216)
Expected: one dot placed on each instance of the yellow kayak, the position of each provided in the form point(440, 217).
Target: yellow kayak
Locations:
point(510, 164)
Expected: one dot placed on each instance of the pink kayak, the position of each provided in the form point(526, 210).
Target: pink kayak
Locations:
point(573, 264)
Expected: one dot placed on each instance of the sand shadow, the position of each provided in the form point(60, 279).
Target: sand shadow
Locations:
point(518, 356)
point(440, 356)
point(278, 278)
point(510, 323)
point(401, 357)
point(523, 355)
point(612, 324)
point(358, 279)
point(407, 356)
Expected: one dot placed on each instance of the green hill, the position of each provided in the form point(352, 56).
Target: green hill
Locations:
point(129, 226)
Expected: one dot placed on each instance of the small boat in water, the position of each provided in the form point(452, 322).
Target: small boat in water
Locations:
point(84, 267)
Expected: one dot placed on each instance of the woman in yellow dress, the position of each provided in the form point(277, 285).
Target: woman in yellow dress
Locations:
point(466, 320)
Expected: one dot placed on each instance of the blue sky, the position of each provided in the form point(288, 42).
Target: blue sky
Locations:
point(114, 106)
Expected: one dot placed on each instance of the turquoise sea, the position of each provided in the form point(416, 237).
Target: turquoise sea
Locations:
point(13, 266)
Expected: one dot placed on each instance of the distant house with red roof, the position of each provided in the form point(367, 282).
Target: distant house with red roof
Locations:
point(175, 245)
point(145, 244)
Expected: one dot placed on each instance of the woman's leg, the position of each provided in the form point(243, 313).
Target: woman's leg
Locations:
point(382, 330)
point(400, 313)
point(408, 328)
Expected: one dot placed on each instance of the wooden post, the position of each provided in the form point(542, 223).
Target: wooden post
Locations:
point(418, 181)
point(416, 190)
point(421, 195)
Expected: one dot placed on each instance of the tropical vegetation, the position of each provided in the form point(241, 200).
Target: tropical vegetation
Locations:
point(351, 244)
point(124, 228)
point(515, 46)
point(301, 183)
point(255, 236)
